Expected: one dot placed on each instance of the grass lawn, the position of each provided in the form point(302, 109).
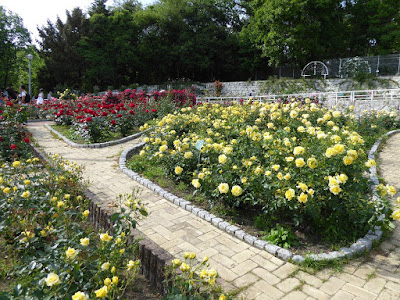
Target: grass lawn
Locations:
point(68, 132)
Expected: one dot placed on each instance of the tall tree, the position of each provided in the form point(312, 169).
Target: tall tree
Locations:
point(298, 31)
point(14, 37)
point(59, 47)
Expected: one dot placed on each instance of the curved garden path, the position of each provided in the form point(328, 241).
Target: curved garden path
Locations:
point(258, 274)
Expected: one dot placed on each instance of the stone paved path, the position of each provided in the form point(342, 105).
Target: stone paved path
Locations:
point(261, 275)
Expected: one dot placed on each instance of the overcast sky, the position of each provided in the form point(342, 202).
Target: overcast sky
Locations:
point(36, 12)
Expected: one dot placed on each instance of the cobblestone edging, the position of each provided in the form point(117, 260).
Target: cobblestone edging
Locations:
point(96, 145)
point(153, 258)
point(361, 246)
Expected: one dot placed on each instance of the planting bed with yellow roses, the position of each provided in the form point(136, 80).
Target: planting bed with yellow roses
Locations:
point(297, 164)
point(58, 254)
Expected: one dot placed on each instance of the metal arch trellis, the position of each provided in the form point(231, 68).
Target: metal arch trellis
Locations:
point(315, 67)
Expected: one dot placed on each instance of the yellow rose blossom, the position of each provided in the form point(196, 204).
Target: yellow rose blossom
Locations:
point(396, 215)
point(223, 188)
point(71, 253)
point(312, 162)
point(85, 213)
point(52, 279)
point(163, 148)
point(79, 296)
point(6, 190)
point(279, 176)
point(298, 150)
point(289, 194)
point(275, 167)
point(176, 262)
point(335, 189)
point(27, 182)
point(222, 159)
point(352, 153)
point(222, 297)
point(302, 186)
point(343, 178)
point(287, 176)
point(302, 198)
point(300, 162)
point(330, 152)
point(26, 194)
point(178, 170)
point(184, 267)
point(105, 237)
point(16, 164)
point(67, 196)
point(370, 163)
point(205, 259)
point(311, 192)
point(391, 190)
point(105, 266)
point(102, 292)
point(339, 148)
point(236, 190)
point(60, 204)
point(348, 160)
point(196, 183)
point(84, 242)
point(130, 265)
point(115, 280)
point(107, 281)
point(188, 155)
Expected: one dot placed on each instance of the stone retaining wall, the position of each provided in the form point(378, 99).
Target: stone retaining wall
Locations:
point(255, 88)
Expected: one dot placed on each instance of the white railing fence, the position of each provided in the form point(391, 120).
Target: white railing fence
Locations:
point(351, 96)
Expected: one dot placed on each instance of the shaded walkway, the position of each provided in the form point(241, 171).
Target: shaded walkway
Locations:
point(376, 276)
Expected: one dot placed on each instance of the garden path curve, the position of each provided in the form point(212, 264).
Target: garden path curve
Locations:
point(259, 274)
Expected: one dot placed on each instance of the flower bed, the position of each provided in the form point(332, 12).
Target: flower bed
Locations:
point(297, 164)
point(14, 139)
point(100, 119)
point(59, 255)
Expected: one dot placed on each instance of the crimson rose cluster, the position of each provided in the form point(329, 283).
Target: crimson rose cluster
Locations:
point(96, 118)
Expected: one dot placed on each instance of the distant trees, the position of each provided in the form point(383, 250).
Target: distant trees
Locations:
point(204, 40)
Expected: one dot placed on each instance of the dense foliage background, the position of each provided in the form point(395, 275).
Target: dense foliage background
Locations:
point(198, 40)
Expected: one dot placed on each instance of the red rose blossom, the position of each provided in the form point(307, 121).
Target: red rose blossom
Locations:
point(26, 140)
point(13, 146)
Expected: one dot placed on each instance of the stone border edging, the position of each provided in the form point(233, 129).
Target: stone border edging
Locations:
point(153, 258)
point(362, 245)
point(38, 120)
point(96, 145)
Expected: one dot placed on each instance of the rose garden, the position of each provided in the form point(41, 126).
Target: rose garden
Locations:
point(211, 187)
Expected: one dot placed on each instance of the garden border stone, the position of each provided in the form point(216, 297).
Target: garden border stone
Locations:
point(96, 145)
point(362, 245)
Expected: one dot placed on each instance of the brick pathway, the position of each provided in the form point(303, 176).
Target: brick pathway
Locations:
point(261, 275)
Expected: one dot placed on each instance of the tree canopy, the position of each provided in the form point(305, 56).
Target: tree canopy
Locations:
point(14, 38)
point(205, 40)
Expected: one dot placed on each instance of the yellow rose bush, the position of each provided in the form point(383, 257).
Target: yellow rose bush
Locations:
point(297, 162)
point(192, 278)
point(58, 254)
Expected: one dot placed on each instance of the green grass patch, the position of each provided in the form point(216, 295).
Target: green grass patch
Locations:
point(70, 133)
